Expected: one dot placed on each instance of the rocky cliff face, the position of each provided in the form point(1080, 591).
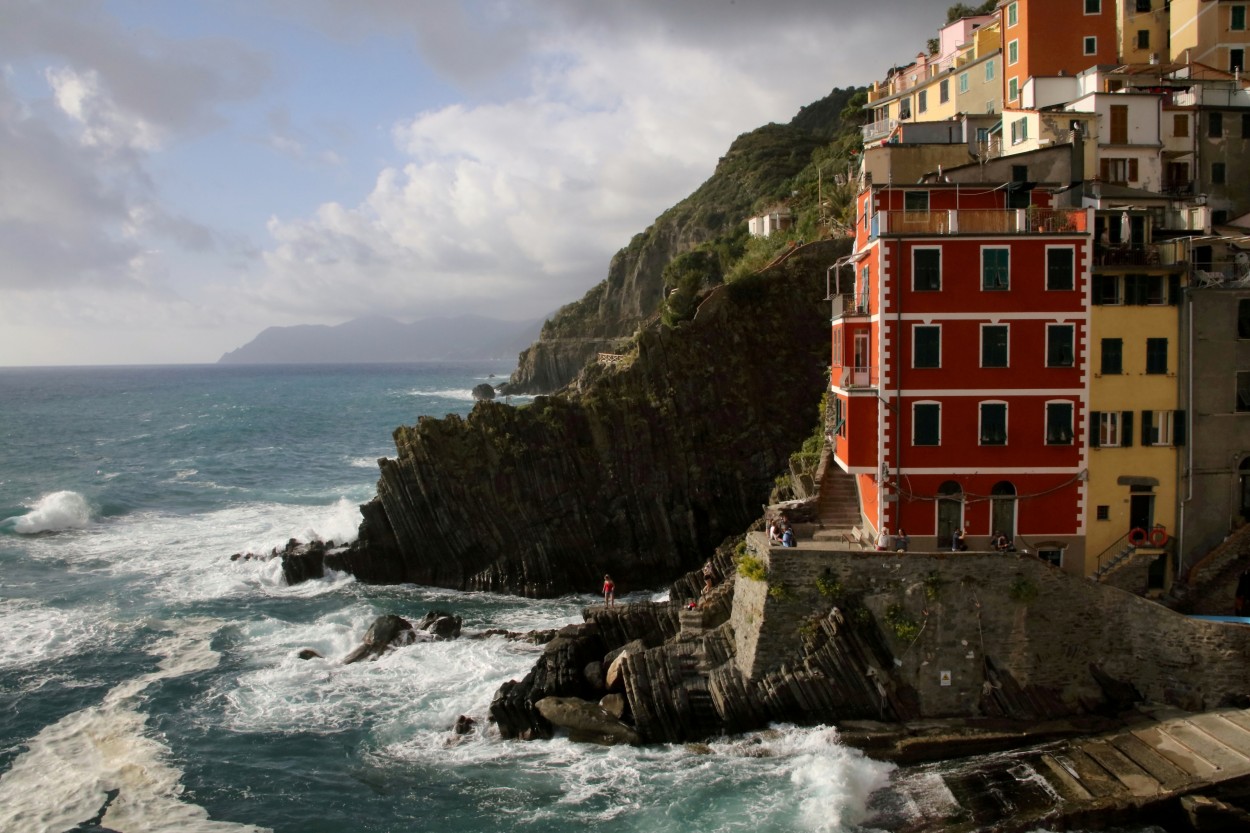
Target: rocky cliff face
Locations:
point(640, 476)
point(759, 165)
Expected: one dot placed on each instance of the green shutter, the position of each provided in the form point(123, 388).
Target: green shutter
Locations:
point(1174, 289)
point(1178, 428)
point(1147, 422)
point(1095, 420)
point(1126, 429)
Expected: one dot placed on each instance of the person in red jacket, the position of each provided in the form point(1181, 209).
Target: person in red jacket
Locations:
point(609, 590)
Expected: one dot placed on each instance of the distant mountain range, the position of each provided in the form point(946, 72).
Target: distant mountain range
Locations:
point(375, 339)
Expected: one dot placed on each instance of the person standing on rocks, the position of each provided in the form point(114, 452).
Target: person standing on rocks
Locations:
point(609, 590)
point(707, 576)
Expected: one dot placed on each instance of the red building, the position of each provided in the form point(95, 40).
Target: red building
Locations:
point(959, 392)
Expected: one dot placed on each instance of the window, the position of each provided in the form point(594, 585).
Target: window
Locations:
point(1019, 131)
point(926, 425)
point(1112, 356)
point(1237, 18)
point(1058, 423)
point(944, 91)
point(1107, 290)
point(963, 82)
point(927, 346)
point(1157, 427)
point(993, 423)
point(1243, 391)
point(1236, 60)
point(1156, 355)
point(1217, 173)
point(1117, 169)
point(915, 200)
point(1215, 125)
point(1013, 89)
point(1243, 318)
point(1051, 555)
point(1093, 6)
point(922, 101)
point(1143, 5)
point(1059, 345)
point(904, 108)
point(989, 71)
point(1140, 290)
point(1013, 15)
point(1091, 45)
point(1180, 124)
point(1013, 52)
point(926, 270)
point(994, 345)
point(995, 268)
point(1113, 428)
point(1143, 38)
point(1060, 271)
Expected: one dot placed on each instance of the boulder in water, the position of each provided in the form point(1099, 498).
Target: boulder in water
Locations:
point(309, 653)
point(586, 722)
point(440, 624)
point(483, 392)
point(388, 631)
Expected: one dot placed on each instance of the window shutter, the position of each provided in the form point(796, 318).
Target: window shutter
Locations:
point(1147, 422)
point(1174, 289)
point(1104, 170)
point(1178, 428)
point(1132, 170)
point(1095, 426)
point(1126, 429)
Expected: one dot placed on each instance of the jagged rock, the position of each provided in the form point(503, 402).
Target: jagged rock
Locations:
point(440, 624)
point(301, 562)
point(594, 675)
point(586, 722)
point(464, 725)
point(309, 653)
point(388, 631)
point(612, 679)
point(641, 475)
point(483, 392)
point(539, 637)
point(1204, 814)
point(558, 673)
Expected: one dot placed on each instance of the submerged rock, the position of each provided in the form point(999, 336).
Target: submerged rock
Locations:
point(309, 653)
point(388, 631)
point(441, 624)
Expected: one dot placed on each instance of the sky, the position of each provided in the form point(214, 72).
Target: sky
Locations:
point(175, 176)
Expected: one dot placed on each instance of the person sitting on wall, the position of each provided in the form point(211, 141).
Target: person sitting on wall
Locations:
point(787, 537)
point(901, 541)
point(958, 543)
point(1001, 542)
point(774, 535)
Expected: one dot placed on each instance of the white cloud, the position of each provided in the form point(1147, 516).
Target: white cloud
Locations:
point(103, 124)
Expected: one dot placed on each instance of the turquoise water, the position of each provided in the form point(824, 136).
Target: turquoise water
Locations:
point(139, 658)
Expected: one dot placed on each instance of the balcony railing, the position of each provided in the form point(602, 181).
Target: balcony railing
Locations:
point(878, 129)
point(849, 306)
point(983, 221)
point(851, 377)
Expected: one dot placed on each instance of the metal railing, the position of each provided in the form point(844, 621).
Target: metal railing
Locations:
point(849, 306)
point(851, 377)
point(984, 221)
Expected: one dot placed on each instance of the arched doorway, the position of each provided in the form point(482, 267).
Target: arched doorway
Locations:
point(950, 512)
point(1003, 509)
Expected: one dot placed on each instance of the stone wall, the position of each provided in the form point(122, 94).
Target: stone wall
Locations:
point(971, 630)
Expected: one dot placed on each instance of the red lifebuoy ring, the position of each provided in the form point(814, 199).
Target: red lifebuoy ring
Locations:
point(1137, 536)
point(1158, 536)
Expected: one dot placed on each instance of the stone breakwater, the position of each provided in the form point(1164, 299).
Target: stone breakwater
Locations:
point(640, 475)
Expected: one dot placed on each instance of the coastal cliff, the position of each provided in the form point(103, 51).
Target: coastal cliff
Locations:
point(641, 475)
point(760, 166)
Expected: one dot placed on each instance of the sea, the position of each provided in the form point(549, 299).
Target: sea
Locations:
point(151, 682)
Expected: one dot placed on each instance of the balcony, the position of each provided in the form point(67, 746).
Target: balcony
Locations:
point(983, 221)
point(878, 129)
point(863, 378)
point(848, 306)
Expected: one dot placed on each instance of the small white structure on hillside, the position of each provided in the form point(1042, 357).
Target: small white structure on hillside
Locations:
point(775, 219)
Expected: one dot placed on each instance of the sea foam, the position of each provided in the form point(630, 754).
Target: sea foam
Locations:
point(107, 747)
point(53, 513)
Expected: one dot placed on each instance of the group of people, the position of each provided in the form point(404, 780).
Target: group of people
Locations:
point(893, 543)
point(781, 533)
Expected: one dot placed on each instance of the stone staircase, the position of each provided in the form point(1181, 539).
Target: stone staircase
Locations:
point(837, 508)
point(1211, 582)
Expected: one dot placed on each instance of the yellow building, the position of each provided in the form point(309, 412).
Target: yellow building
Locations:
point(1143, 30)
point(1135, 428)
point(1211, 32)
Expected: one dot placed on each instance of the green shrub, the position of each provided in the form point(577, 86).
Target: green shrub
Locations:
point(933, 586)
point(828, 586)
point(1022, 590)
point(901, 623)
point(751, 567)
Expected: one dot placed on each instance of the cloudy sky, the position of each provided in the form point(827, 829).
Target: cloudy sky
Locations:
point(176, 176)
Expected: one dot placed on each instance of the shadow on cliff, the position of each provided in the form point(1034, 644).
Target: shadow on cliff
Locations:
point(640, 475)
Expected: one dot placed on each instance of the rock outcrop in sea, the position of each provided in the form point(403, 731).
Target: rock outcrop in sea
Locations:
point(641, 475)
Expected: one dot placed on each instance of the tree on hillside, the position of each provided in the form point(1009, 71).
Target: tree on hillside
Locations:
point(959, 10)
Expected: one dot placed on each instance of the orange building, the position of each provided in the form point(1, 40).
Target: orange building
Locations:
point(1054, 37)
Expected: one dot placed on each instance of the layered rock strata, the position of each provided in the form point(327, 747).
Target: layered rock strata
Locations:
point(640, 476)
